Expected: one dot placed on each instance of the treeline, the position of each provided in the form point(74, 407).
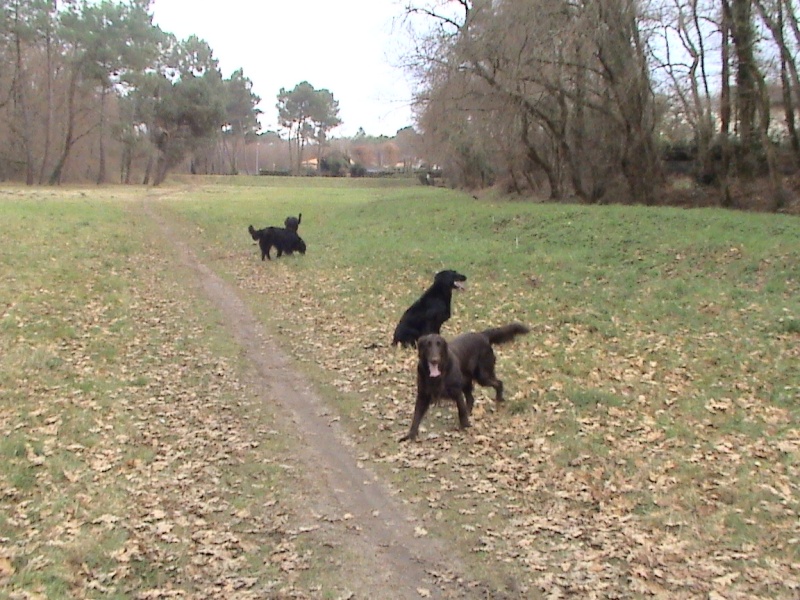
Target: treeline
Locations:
point(94, 90)
point(586, 98)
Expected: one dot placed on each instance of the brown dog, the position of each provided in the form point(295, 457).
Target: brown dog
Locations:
point(449, 370)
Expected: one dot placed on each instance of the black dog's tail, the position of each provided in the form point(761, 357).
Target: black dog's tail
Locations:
point(506, 333)
point(299, 218)
point(253, 232)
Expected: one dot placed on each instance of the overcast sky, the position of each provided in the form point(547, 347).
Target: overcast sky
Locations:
point(345, 46)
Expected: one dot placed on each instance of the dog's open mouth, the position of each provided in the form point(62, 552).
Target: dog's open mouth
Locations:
point(433, 369)
point(460, 285)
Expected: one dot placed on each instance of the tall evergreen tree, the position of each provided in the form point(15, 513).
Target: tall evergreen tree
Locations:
point(189, 112)
point(241, 115)
point(308, 114)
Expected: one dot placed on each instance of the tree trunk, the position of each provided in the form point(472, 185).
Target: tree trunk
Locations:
point(291, 152)
point(101, 166)
point(148, 169)
point(747, 75)
point(726, 199)
point(776, 189)
point(48, 118)
point(536, 159)
point(162, 167)
point(69, 137)
point(789, 111)
point(625, 67)
point(21, 103)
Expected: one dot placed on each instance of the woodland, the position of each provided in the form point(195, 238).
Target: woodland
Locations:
point(596, 101)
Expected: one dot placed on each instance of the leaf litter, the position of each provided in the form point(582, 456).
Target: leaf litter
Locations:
point(149, 472)
point(573, 494)
point(588, 483)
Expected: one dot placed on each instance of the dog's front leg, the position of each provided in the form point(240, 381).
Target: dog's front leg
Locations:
point(420, 408)
point(463, 411)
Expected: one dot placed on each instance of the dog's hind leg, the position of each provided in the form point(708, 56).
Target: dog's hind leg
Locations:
point(469, 396)
point(498, 388)
point(486, 377)
point(495, 383)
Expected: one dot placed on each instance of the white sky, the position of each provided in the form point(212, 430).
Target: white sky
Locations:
point(345, 46)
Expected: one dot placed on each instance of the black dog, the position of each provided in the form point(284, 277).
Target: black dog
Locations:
point(284, 240)
point(430, 311)
point(448, 370)
point(292, 223)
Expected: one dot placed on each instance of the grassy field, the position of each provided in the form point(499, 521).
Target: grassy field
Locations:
point(649, 445)
point(136, 461)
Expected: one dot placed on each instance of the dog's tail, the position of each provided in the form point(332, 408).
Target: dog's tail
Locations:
point(253, 232)
point(299, 218)
point(506, 333)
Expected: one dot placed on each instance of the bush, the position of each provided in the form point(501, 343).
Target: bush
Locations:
point(335, 165)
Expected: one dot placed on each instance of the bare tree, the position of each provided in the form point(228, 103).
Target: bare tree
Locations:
point(622, 54)
point(777, 16)
point(752, 99)
point(725, 112)
point(409, 145)
point(739, 18)
point(689, 24)
point(575, 96)
point(26, 24)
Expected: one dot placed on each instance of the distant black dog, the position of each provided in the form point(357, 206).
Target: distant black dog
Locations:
point(292, 223)
point(430, 311)
point(448, 370)
point(284, 241)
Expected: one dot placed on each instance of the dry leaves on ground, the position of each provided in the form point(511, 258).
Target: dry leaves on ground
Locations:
point(593, 485)
point(145, 467)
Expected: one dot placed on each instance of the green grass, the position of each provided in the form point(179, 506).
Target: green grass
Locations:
point(658, 391)
point(115, 383)
point(660, 327)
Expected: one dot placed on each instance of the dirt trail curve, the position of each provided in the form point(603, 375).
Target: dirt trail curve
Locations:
point(392, 562)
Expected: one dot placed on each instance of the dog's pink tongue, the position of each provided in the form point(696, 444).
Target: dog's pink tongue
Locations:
point(433, 369)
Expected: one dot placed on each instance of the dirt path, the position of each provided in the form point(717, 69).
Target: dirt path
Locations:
point(391, 559)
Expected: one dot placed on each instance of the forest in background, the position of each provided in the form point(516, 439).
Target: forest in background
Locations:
point(600, 101)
